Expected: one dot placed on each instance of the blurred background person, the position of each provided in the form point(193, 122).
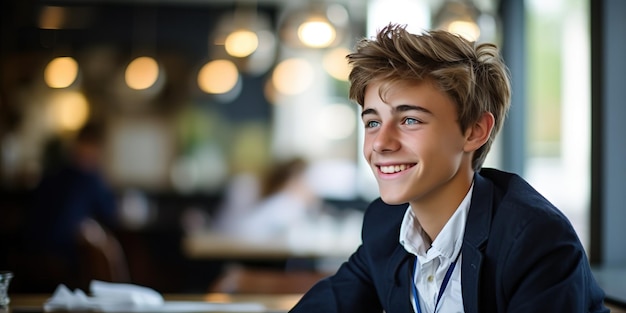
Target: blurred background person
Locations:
point(287, 202)
point(240, 196)
point(72, 198)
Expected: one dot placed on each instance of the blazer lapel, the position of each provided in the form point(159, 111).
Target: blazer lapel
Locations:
point(399, 272)
point(476, 233)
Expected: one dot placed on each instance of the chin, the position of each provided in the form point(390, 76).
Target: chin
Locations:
point(392, 200)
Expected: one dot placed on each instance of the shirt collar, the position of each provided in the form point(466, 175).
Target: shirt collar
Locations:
point(449, 241)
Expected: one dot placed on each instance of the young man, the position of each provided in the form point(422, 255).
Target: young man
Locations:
point(446, 235)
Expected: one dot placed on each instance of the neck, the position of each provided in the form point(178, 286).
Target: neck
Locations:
point(432, 224)
point(433, 212)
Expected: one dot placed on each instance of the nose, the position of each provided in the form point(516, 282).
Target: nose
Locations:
point(386, 139)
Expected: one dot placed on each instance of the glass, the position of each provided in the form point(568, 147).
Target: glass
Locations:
point(5, 279)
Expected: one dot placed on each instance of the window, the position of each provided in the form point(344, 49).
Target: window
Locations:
point(558, 116)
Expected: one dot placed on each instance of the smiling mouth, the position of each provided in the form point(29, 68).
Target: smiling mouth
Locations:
point(391, 169)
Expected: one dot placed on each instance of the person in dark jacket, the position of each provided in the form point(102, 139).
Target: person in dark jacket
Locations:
point(446, 234)
point(68, 195)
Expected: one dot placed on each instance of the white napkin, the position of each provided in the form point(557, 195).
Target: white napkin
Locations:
point(126, 294)
point(116, 297)
point(105, 297)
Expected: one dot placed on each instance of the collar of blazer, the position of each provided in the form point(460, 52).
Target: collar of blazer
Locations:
point(475, 238)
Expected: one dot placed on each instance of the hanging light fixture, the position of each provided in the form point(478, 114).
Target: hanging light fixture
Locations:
point(237, 32)
point(63, 71)
point(144, 72)
point(459, 17)
point(315, 26)
point(245, 37)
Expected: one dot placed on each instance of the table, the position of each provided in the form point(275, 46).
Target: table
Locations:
point(32, 303)
point(215, 245)
point(289, 264)
point(322, 237)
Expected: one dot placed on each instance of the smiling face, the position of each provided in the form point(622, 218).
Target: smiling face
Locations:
point(415, 147)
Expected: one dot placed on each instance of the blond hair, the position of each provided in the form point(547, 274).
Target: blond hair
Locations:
point(473, 75)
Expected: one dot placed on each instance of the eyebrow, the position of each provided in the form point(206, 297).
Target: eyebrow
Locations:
point(410, 107)
point(400, 108)
point(367, 112)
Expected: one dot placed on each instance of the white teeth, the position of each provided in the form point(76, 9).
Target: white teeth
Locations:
point(393, 168)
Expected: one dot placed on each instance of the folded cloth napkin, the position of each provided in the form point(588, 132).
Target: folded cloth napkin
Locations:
point(105, 297)
point(118, 298)
point(126, 294)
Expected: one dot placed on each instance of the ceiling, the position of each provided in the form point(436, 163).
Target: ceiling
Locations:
point(20, 27)
point(357, 8)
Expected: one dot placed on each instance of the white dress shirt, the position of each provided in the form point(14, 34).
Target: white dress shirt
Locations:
point(434, 260)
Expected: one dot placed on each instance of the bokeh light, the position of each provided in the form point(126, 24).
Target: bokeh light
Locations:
point(336, 64)
point(61, 72)
point(316, 33)
point(142, 73)
point(68, 110)
point(241, 43)
point(218, 76)
point(293, 76)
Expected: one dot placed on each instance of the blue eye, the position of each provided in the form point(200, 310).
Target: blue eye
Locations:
point(371, 124)
point(412, 121)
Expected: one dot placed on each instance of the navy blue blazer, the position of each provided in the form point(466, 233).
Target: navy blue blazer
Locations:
point(520, 254)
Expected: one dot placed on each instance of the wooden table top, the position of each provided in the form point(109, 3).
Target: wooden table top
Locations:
point(33, 303)
point(214, 245)
point(272, 302)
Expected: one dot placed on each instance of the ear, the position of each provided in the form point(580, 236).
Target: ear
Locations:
point(478, 133)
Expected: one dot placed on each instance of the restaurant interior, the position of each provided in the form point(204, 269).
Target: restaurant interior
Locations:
point(211, 114)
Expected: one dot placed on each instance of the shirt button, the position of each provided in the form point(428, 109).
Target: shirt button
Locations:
point(430, 278)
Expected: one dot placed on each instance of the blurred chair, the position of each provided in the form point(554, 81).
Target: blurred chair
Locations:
point(101, 254)
point(246, 280)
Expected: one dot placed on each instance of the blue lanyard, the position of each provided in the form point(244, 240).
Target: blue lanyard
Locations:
point(444, 284)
